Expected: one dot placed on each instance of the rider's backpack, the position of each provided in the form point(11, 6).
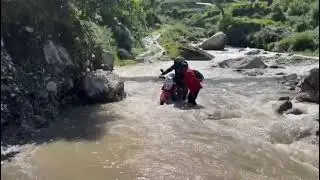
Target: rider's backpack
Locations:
point(199, 75)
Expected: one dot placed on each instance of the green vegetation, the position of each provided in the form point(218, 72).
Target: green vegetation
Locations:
point(281, 25)
point(174, 36)
point(297, 42)
point(85, 28)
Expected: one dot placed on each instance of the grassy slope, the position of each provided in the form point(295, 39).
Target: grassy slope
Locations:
point(285, 26)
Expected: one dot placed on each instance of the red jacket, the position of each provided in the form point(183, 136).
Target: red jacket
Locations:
point(191, 81)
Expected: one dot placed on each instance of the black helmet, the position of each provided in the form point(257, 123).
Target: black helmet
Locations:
point(184, 64)
point(179, 61)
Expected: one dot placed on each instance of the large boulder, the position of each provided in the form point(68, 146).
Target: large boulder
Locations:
point(216, 42)
point(248, 62)
point(253, 52)
point(286, 105)
point(310, 87)
point(103, 86)
point(194, 53)
point(124, 54)
point(106, 62)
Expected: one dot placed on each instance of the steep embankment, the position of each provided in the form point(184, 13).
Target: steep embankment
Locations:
point(53, 54)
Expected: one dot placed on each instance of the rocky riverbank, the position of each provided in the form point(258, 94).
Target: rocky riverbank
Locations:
point(33, 93)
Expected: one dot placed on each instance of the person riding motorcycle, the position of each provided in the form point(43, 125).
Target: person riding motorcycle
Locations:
point(192, 80)
point(178, 65)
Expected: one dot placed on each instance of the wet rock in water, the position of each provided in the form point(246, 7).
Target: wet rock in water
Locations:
point(238, 70)
point(304, 97)
point(290, 80)
point(194, 53)
point(124, 54)
point(280, 73)
point(276, 67)
point(8, 156)
point(291, 88)
point(216, 42)
point(103, 86)
point(310, 87)
point(294, 111)
point(253, 52)
point(248, 62)
point(284, 98)
point(284, 107)
point(254, 72)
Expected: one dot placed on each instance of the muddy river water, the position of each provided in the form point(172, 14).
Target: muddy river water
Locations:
point(233, 134)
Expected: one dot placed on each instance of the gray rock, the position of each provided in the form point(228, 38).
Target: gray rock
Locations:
point(249, 62)
point(52, 87)
point(276, 67)
point(284, 107)
point(290, 80)
point(216, 42)
point(291, 88)
point(304, 97)
point(40, 121)
point(284, 98)
point(253, 52)
point(310, 87)
point(294, 111)
point(103, 86)
point(194, 53)
point(106, 62)
point(280, 73)
point(56, 54)
point(254, 72)
point(124, 54)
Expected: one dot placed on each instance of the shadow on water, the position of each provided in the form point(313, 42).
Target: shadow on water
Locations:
point(82, 123)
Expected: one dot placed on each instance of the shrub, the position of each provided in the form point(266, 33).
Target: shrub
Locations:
point(247, 9)
point(170, 38)
point(301, 26)
point(297, 8)
point(173, 36)
point(315, 13)
point(239, 30)
point(297, 42)
point(262, 38)
point(277, 14)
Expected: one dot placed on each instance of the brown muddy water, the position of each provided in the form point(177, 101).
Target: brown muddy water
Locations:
point(233, 134)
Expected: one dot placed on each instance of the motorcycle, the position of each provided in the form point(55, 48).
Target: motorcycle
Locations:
point(170, 90)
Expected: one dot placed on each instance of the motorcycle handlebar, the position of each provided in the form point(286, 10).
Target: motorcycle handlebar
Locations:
point(162, 77)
